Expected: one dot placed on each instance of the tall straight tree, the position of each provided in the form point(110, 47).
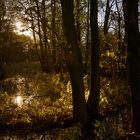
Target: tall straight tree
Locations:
point(93, 100)
point(75, 63)
point(107, 14)
point(53, 25)
point(77, 19)
point(133, 44)
point(87, 37)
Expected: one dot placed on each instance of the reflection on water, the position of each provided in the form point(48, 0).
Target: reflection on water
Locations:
point(19, 100)
point(14, 85)
point(28, 137)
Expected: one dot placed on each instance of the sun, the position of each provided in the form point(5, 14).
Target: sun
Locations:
point(18, 25)
point(19, 100)
point(21, 29)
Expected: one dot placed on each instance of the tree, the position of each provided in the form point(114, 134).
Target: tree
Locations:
point(119, 24)
point(43, 18)
point(77, 20)
point(89, 112)
point(75, 63)
point(93, 100)
point(87, 37)
point(6, 29)
point(133, 48)
point(53, 25)
point(1, 72)
point(107, 14)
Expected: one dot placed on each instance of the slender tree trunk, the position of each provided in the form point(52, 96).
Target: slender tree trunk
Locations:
point(133, 44)
point(119, 39)
point(44, 68)
point(45, 38)
point(77, 20)
point(87, 38)
point(107, 14)
point(34, 38)
point(42, 34)
point(93, 101)
point(53, 39)
point(119, 26)
point(75, 64)
point(106, 21)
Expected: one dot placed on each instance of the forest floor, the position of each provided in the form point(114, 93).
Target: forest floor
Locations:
point(46, 114)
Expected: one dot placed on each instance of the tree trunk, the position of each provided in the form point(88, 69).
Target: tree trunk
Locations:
point(119, 25)
point(42, 52)
point(34, 38)
point(133, 44)
point(53, 26)
point(75, 64)
point(77, 20)
point(87, 38)
point(107, 14)
point(93, 101)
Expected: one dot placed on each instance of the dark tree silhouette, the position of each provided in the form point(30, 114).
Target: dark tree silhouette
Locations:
point(133, 44)
point(93, 100)
point(75, 63)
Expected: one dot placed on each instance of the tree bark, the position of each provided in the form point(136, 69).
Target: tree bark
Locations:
point(107, 14)
point(87, 38)
point(77, 20)
point(133, 44)
point(75, 64)
point(93, 100)
point(42, 52)
point(53, 26)
point(119, 25)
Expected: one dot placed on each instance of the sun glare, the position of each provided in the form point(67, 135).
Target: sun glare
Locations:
point(19, 100)
point(21, 29)
point(18, 25)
